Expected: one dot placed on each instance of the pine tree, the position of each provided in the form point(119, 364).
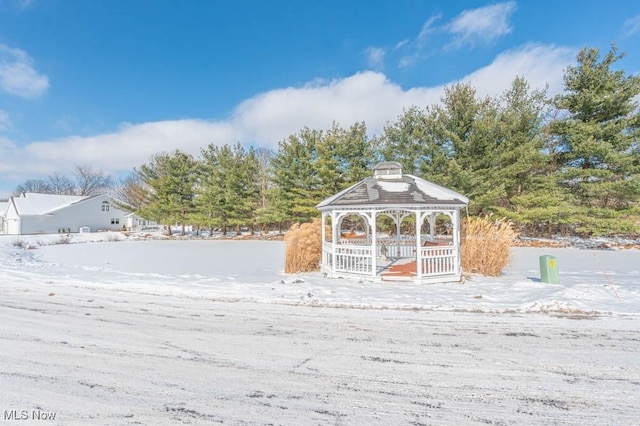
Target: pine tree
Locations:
point(170, 180)
point(295, 176)
point(314, 164)
point(598, 141)
point(344, 157)
point(228, 186)
point(466, 138)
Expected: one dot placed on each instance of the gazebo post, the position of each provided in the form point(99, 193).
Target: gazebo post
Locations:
point(398, 221)
point(374, 244)
point(324, 236)
point(418, 247)
point(334, 240)
point(456, 240)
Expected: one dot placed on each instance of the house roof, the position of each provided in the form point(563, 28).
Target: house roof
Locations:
point(389, 186)
point(32, 203)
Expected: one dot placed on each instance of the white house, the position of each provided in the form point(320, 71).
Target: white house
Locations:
point(32, 213)
point(4, 205)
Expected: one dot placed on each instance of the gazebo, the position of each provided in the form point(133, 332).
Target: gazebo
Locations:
point(390, 197)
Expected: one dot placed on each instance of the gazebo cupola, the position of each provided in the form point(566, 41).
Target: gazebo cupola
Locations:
point(410, 249)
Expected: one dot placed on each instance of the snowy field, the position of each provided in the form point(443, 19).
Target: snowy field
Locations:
point(208, 332)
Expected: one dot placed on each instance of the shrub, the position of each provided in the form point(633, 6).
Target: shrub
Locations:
point(486, 244)
point(303, 247)
point(63, 239)
point(24, 245)
point(114, 236)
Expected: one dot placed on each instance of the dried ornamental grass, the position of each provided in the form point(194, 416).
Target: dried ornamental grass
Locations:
point(303, 247)
point(486, 244)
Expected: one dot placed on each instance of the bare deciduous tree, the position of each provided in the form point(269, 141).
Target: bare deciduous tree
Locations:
point(33, 185)
point(91, 182)
point(60, 184)
point(131, 191)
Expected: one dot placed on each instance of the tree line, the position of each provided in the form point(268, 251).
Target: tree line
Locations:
point(84, 181)
point(565, 163)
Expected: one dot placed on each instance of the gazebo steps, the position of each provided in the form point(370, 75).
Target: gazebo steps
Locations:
point(397, 277)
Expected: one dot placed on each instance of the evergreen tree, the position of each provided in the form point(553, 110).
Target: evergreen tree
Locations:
point(466, 137)
point(313, 165)
point(295, 176)
point(597, 136)
point(228, 186)
point(344, 157)
point(520, 162)
point(406, 141)
point(170, 180)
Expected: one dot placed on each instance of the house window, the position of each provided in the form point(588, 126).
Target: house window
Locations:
point(105, 206)
point(115, 221)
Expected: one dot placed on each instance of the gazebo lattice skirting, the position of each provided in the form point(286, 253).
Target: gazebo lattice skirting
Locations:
point(423, 258)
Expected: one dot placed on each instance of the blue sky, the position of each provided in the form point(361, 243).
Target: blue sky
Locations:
point(110, 83)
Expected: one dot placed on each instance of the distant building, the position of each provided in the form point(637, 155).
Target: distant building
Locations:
point(33, 213)
point(4, 204)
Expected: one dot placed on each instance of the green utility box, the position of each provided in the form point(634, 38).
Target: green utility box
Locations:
point(549, 270)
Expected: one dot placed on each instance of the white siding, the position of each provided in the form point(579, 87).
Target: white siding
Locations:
point(12, 226)
point(84, 213)
point(12, 221)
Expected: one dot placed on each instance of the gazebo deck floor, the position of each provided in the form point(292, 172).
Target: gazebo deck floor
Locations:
point(402, 270)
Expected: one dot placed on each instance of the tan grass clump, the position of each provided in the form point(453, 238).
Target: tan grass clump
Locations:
point(303, 247)
point(486, 244)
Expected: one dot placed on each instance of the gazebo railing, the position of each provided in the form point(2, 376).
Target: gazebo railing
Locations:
point(438, 260)
point(327, 252)
point(390, 246)
point(406, 248)
point(353, 258)
point(351, 255)
point(354, 241)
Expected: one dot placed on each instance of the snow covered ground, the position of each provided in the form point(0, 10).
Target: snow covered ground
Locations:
point(206, 332)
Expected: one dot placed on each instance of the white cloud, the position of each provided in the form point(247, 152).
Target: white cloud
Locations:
point(427, 28)
point(631, 26)
point(366, 96)
point(375, 57)
point(8, 156)
point(17, 75)
point(408, 61)
point(484, 24)
point(271, 116)
point(399, 45)
point(540, 64)
point(130, 146)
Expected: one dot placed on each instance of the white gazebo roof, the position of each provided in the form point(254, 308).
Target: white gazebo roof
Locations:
point(389, 187)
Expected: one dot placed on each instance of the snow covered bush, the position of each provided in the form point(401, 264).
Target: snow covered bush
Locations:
point(24, 244)
point(486, 245)
point(114, 236)
point(63, 239)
